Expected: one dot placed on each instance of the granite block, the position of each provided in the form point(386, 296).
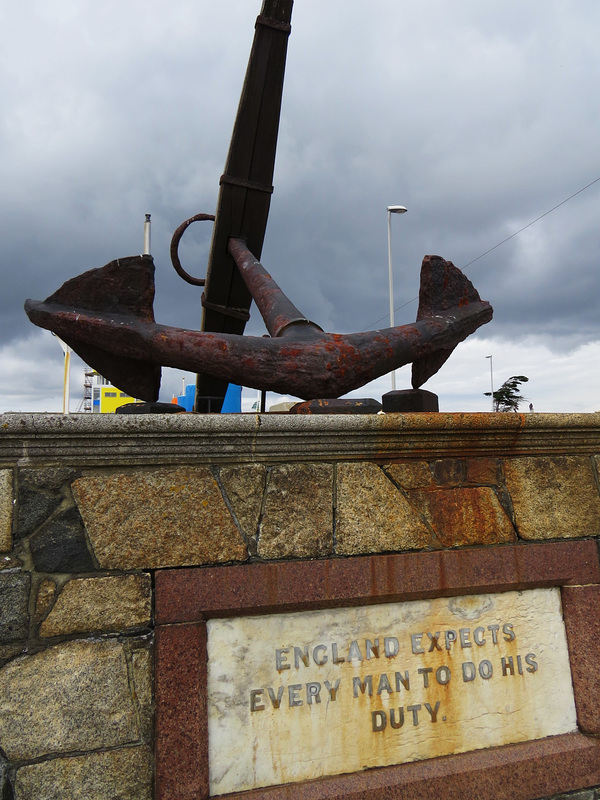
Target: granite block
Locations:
point(297, 517)
point(449, 471)
point(373, 516)
point(465, 516)
point(181, 726)
point(482, 471)
point(6, 510)
point(46, 592)
point(149, 519)
point(49, 479)
point(60, 545)
point(110, 604)
point(5, 789)
point(245, 487)
point(34, 509)
point(581, 606)
point(115, 775)
point(143, 677)
point(71, 697)
point(188, 595)
point(553, 497)
point(14, 606)
point(411, 474)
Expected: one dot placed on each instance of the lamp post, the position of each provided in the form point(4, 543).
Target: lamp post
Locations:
point(392, 210)
point(492, 380)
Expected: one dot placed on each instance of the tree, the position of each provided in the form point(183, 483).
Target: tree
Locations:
point(507, 397)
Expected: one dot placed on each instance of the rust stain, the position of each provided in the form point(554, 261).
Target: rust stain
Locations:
point(464, 516)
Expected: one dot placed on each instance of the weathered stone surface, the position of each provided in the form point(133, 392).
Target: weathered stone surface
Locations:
point(47, 478)
point(60, 546)
point(141, 660)
point(182, 736)
point(554, 497)
point(581, 608)
point(8, 651)
point(278, 686)
point(373, 516)
point(297, 517)
point(245, 487)
point(411, 474)
point(587, 794)
point(99, 605)
point(4, 789)
point(465, 516)
point(482, 471)
point(188, 595)
point(44, 598)
point(163, 518)
point(72, 697)
point(10, 562)
point(14, 603)
point(34, 508)
point(449, 471)
point(116, 775)
point(6, 510)
point(122, 441)
point(336, 405)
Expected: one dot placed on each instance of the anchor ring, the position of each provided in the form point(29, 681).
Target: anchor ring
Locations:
point(175, 247)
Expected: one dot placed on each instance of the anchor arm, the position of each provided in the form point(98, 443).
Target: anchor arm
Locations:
point(277, 310)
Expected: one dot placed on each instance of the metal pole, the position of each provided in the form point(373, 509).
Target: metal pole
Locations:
point(66, 375)
point(392, 210)
point(67, 382)
point(492, 381)
point(147, 236)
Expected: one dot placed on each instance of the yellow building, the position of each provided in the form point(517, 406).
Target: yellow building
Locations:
point(111, 398)
point(101, 397)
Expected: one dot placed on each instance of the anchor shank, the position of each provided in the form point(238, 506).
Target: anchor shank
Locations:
point(247, 182)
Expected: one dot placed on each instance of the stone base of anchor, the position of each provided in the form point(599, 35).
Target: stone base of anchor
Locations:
point(349, 405)
point(403, 401)
point(410, 400)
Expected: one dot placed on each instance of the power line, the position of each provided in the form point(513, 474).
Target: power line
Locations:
point(495, 247)
point(529, 224)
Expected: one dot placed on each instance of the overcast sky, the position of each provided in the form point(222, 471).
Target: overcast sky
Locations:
point(479, 117)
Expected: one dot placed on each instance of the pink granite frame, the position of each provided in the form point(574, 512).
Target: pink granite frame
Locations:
point(186, 598)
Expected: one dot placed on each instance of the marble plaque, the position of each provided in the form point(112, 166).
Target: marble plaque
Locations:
point(297, 696)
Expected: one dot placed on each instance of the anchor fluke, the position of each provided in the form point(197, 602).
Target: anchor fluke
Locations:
point(121, 291)
point(443, 287)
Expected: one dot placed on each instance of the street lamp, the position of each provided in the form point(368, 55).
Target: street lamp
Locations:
point(392, 210)
point(492, 381)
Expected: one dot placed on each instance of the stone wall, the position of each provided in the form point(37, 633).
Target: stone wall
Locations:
point(91, 506)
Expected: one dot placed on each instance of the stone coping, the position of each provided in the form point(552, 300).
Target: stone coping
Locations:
point(97, 440)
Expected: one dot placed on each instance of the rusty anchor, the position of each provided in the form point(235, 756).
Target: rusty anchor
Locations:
point(113, 330)
point(106, 315)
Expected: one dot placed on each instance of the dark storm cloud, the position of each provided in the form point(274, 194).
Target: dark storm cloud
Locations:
point(477, 117)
